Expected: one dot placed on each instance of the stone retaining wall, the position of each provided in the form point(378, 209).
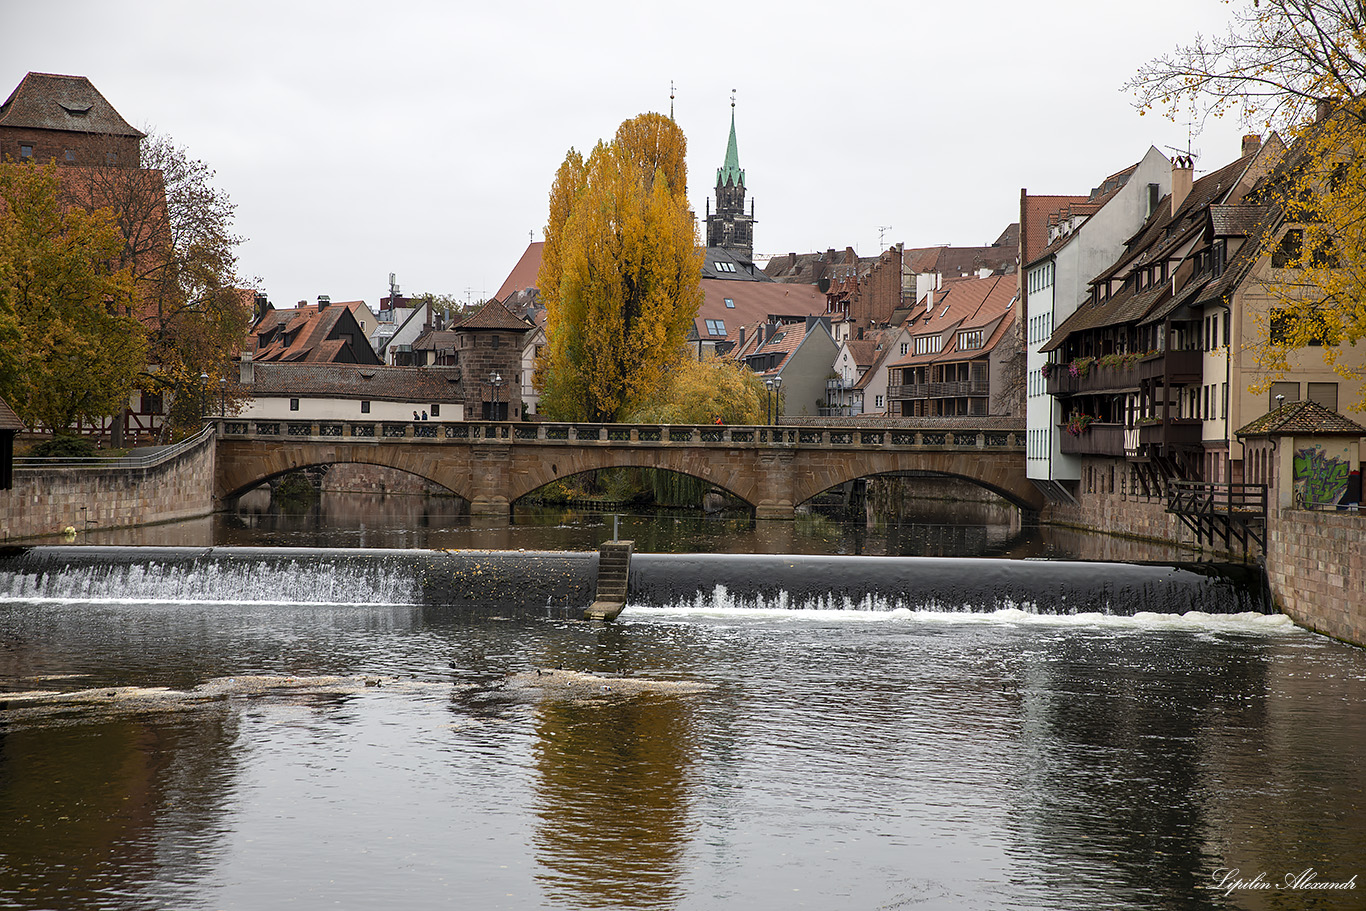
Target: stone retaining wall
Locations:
point(1314, 564)
point(45, 501)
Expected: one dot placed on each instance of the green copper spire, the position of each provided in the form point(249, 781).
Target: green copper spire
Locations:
point(730, 172)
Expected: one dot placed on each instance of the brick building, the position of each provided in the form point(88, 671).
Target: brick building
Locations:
point(488, 349)
point(66, 118)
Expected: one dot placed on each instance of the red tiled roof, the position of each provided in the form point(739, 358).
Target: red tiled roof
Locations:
point(359, 381)
point(524, 274)
point(754, 303)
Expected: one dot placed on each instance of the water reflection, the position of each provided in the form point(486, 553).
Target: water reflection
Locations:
point(353, 519)
point(612, 800)
point(103, 807)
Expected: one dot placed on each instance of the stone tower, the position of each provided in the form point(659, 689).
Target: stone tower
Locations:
point(729, 227)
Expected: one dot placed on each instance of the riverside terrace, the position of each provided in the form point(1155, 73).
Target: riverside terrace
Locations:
point(492, 464)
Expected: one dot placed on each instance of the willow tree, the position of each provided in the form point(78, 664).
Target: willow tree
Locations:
point(1299, 67)
point(70, 346)
point(620, 273)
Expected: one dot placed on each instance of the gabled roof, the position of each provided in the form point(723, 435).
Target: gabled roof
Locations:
point(47, 101)
point(523, 275)
point(9, 420)
point(726, 264)
point(1302, 418)
point(306, 334)
point(357, 381)
point(783, 342)
point(493, 315)
point(969, 303)
point(754, 303)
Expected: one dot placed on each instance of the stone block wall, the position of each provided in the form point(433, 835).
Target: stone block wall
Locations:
point(1314, 564)
point(45, 501)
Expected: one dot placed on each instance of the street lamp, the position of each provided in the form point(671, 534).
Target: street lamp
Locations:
point(768, 401)
point(495, 383)
point(777, 400)
point(222, 396)
point(203, 396)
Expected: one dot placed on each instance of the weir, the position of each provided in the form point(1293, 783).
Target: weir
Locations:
point(562, 585)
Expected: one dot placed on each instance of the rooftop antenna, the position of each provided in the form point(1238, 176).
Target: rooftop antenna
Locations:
point(881, 230)
point(671, 99)
point(531, 236)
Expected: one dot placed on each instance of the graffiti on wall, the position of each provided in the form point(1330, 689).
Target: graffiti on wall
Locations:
point(1320, 479)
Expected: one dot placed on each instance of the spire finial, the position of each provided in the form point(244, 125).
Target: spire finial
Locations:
point(671, 99)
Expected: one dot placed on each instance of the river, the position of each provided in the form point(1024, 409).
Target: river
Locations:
point(262, 743)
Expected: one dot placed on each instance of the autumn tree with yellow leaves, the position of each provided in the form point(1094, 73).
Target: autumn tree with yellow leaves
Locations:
point(71, 348)
point(703, 392)
point(1298, 67)
point(620, 274)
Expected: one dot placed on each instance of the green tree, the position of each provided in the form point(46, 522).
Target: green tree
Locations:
point(1297, 66)
point(620, 273)
point(70, 346)
point(699, 392)
point(179, 244)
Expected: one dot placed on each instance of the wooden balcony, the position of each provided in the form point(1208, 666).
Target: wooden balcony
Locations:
point(1098, 378)
point(1177, 433)
point(1097, 440)
point(1174, 368)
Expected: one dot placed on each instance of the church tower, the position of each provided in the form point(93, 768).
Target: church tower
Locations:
point(730, 228)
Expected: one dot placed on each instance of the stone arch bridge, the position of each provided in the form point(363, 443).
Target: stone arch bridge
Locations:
point(493, 464)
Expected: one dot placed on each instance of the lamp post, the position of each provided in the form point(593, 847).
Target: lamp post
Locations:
point(222, 396)
point(768, 401)
point(203, 396)
point(777, 400)
point(495, 383)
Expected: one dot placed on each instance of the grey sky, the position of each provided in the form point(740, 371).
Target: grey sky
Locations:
point(420, 137)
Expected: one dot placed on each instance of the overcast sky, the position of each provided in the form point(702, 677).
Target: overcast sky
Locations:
point(420, 136)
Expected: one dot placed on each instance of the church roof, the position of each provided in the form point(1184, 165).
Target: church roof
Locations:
point(730, 172)
point(46, 101)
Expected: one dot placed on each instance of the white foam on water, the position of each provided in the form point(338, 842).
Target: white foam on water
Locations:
point(1194, 621)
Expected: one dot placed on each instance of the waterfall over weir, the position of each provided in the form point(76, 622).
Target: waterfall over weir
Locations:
point(562, 584)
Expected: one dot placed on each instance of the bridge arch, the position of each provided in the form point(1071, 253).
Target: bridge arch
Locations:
point(492, 465)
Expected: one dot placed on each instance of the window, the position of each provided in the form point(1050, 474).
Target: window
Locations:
point(1325, 394)
point(970, 339)
point(293, 404)
point(905, 347)
point(878, 401)
point(69, 154)
point(436, 410)
point(928, 344)
point(25, 152)
point(111, 157)
point(716, 327)
point(724, 267)
point(364, 407)
point(730, 303)
point(494, 341)
point(1289, 392)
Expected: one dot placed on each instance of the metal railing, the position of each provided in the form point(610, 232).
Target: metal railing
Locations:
point(151, 459)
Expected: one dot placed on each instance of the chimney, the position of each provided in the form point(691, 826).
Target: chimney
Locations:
point(324, 301)
point(247, 372)
point(742, 337)
point(1183, 171)
point(1251, 143)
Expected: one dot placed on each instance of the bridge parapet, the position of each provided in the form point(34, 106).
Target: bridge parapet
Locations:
point(617, 435)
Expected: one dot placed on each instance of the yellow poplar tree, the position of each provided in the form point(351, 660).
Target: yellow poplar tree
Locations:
point(1298, 67)
point(620, 273)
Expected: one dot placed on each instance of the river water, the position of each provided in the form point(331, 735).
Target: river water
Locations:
point(256, 745)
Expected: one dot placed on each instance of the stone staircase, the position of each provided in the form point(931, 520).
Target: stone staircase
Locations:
point(614, 565)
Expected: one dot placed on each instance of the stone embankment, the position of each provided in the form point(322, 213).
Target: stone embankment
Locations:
point(49, 496)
